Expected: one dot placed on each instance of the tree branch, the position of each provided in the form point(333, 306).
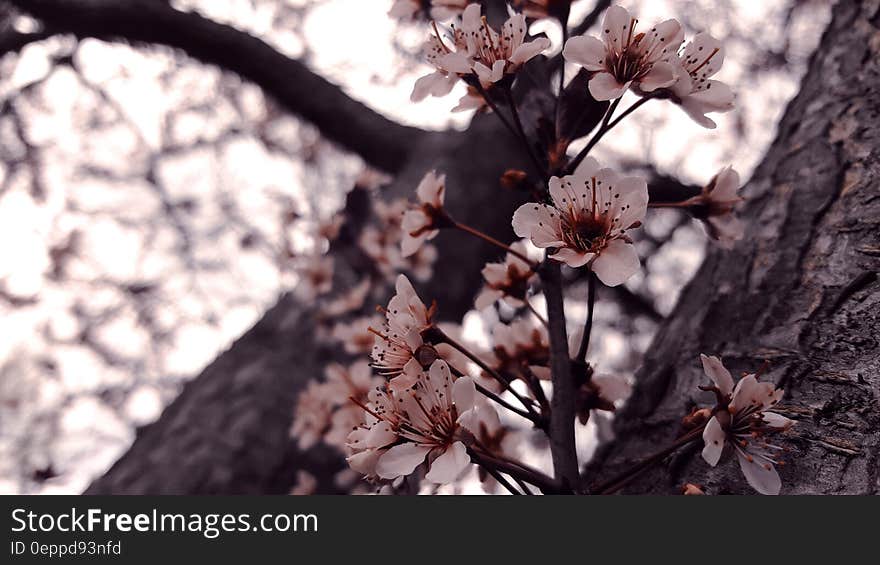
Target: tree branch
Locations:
point(380, 141)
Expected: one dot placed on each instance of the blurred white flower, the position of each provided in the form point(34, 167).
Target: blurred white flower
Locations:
point(446, 9)
point(405, 9)
point(508, 281)
point(316, 276)
point(423, 223)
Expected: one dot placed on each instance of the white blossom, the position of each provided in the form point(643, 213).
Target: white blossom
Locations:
point(693, 90)
point(741, 422)
point(587, 221)
point(625, 58)
point(423, 222)
point(399, 353)
point(420, 424)
point(715, 204)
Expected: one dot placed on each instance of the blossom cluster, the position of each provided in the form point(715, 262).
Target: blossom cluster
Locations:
point(426, 405)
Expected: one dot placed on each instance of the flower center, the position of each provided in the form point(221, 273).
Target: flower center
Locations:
point(585, 233)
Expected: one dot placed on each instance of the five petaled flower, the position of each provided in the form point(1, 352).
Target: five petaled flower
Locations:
point(423, 223)
point(741, 420)
point(406, 427)
point(625, 58)
point(694, 91)
point(587, 221)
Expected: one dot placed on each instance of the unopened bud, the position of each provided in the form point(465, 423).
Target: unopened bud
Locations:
point(513, 179)
point(691, 489)
point(696, 418)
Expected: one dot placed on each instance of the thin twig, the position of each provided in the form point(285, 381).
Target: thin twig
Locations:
point(537, 314)
point(588, 324)
point(616, 483)
point(488, 238)
point(516, 470)
point(444, 337)
point(603, 129)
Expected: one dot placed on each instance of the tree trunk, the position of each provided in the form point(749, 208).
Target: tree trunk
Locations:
point(800, 291)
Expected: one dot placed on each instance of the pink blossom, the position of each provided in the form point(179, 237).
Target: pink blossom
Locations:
point(587, 221)
point(625, 58)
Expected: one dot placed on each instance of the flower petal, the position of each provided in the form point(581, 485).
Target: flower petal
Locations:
point(616, 263)
point(572, 258)
point(449, 465)
point(539, 223)
point(661, 75)
point(586, 51)
point(761, 475)
point(776, 421)
point(527, 51)
point(463, 393)
point(380, 435)
point(715, 370)
point(364, 462)
point(434, 84)
point(615, 26)
point(714, 438)
point(401, 460)
point(603, 86)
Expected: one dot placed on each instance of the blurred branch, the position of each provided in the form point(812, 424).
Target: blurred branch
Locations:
point(380, 141)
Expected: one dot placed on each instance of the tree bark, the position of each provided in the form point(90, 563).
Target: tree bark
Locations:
point(801, 291)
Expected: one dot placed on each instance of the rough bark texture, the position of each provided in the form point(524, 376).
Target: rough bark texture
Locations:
point(801, 291)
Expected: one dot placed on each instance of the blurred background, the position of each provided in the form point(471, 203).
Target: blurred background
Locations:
point(152, 207)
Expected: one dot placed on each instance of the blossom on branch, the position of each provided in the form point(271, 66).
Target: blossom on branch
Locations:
point(399, 352)
point(624, 58)
point(476, 53)
point(405, 428)
point(424, 222)
point(508, 281)
point(587, 221)
point(492, 55)
point(741, 421)
point(714, 206)
point(693, 90)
